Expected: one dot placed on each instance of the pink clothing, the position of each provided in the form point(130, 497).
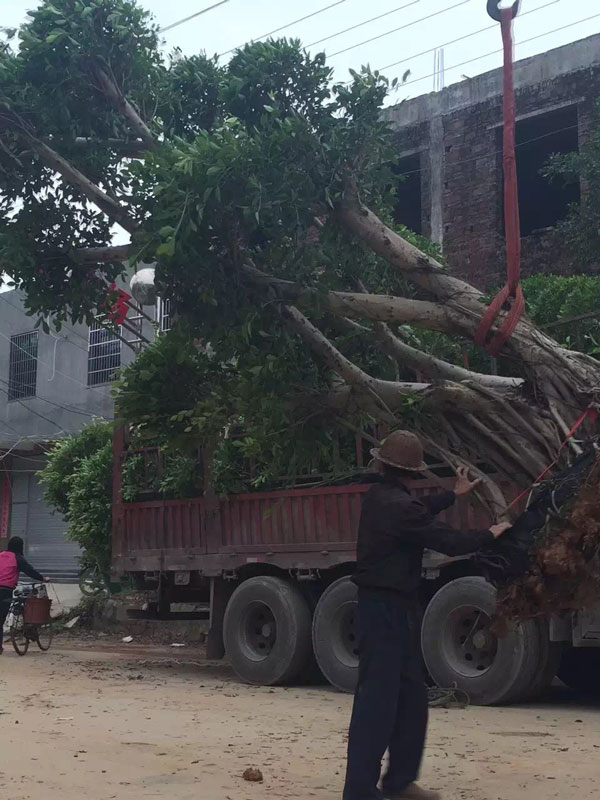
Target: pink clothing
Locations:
point(9, 571)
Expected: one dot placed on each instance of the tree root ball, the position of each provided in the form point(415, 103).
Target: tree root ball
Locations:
point(564, 573)
point(253, 775)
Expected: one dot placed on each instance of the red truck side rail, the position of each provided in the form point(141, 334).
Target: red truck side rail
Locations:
point(293, 529)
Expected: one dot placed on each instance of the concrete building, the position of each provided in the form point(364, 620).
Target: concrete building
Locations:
point(450, 147)
point(50, 385)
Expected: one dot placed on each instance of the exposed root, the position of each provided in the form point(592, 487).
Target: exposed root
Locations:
point(564, 572)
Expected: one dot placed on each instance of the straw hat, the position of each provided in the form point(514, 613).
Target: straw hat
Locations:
point(403, 450)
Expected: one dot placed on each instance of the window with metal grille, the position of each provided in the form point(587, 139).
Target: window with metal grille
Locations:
point(22, 371)
point(104, 355)
point(163, 315)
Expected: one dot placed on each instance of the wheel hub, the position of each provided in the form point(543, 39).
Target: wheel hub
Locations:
point(468, 643)
point(259, 632)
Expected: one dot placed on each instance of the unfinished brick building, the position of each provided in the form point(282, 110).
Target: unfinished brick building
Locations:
point(450, 149)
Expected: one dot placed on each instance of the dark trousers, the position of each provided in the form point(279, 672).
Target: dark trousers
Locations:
point(5, 601)
point(390, 705)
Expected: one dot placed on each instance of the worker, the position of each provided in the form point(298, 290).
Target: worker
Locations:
point(12, 562)
point(390, 705)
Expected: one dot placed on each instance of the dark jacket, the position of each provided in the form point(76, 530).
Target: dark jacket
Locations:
point(394, 530)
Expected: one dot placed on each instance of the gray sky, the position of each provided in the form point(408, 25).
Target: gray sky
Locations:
point(238, 21)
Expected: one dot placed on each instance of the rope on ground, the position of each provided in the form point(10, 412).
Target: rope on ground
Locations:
point(448, 698)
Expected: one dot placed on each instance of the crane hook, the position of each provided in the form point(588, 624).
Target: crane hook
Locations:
point(493, 9)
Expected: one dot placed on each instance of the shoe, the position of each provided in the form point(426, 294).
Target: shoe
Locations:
point(412, 792)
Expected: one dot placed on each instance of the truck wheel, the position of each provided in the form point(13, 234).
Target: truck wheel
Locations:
point(266, 631)
point(334, 635)
point(459, 647)
point(580, 670)
point(549, 662)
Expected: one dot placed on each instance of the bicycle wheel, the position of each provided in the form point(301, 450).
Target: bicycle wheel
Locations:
point(45, 634)
point(17, 634)
point(91, 582)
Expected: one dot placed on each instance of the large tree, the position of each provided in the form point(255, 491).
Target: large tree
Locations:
point(264, 193)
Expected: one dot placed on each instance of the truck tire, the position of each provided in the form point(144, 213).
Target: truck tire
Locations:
point(334, 638)
point(267, 631)
point(580, 670)
point(549, 662)
point(460, 649)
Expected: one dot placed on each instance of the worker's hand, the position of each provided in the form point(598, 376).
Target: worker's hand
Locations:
point(464, 484)
point(47, 579)
point(499, 528)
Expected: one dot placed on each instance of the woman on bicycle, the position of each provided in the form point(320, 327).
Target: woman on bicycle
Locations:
point(12, 562)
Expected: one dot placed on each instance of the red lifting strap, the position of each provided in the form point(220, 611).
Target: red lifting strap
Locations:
point(512, 292)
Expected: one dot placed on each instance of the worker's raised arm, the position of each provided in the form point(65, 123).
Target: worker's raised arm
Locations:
point(416, 525)
point(436, 503)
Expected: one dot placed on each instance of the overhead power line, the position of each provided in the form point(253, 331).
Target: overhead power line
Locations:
point(401, 28)
point(70, 328)
point(463, 38)
point(70, 409)
point(517, 44)
point(287, 25)
point(36, 413)
point(360, 24)
point(192, 16)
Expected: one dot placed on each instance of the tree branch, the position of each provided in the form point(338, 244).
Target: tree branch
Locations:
point(495, 496)
point(130, 149)
point(100, 255)
point(413, 358)
point(12, 121)
point(435, 368)
point(77, 179)
point(377, 307)
point(421, 268)
point(122, 104)
point(386, 391)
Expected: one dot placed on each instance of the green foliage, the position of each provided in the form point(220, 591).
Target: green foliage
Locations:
point(196, 77)
point(551, 298)
point(65, 459)
point(177, 394)
point(89, 514)
point(581, 228)
point(252, 162)
point(169, 475)
point(78, 483)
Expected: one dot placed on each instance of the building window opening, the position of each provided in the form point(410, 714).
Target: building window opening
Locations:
point(543, 202)
point(407, 202)
point(104, 355)
point(22, 368)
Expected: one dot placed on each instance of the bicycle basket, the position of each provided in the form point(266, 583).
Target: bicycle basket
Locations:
point(37, 610)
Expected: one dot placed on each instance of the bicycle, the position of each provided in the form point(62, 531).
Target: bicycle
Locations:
point(22, 630)
point(95, 581)
point(92, 582)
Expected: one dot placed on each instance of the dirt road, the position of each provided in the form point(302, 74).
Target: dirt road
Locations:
point(102, 724)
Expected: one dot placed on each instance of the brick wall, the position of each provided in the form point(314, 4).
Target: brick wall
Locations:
point(470, 201)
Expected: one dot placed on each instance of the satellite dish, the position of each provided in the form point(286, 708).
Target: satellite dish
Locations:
point(142, 286)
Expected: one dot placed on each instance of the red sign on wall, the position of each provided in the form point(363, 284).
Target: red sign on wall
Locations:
point(4, 505)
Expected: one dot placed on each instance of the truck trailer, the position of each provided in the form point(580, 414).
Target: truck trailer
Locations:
point(273, 571)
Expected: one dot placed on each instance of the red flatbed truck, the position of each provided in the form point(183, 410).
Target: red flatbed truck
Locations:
point(273, 569)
